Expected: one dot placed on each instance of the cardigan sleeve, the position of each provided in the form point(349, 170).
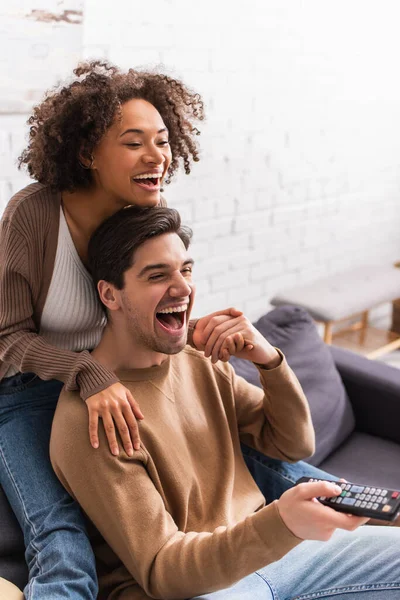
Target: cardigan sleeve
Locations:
point(20, 343)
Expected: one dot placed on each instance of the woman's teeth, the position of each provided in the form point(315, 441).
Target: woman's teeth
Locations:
point(148, 176)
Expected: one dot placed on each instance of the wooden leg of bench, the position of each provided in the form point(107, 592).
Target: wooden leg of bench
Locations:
point(328, 331)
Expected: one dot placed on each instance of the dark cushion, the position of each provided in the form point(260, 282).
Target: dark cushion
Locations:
point(366, 459)
point(291, 329)
point(12, 561)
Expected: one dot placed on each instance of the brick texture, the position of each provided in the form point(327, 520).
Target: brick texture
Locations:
point(299, 174)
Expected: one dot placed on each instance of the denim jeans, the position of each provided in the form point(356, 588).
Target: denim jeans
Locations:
point(274, 477)
point(58, 553)
point(359, 565)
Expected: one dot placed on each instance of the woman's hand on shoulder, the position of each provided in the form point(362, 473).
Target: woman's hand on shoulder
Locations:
point(119, 411)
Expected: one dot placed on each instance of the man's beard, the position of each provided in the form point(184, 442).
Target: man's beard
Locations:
point(150, 341)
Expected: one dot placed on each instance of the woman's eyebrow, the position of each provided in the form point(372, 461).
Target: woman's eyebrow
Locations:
point(141, 131)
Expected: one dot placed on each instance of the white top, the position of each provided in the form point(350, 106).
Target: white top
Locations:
point(72, 317)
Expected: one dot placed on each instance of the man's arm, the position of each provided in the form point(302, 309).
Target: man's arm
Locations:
point(275, 420)
point(120, 496)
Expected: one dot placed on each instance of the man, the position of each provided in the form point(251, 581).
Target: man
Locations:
point(182, 517)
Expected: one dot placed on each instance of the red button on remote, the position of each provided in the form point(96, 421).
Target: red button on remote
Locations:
point(395, 494)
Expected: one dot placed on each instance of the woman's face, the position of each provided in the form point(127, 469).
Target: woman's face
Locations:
point(133, 157)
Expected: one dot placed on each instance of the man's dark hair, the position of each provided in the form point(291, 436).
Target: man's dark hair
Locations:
point(113, 244)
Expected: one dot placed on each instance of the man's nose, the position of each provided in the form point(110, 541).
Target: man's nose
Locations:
point(180, 287)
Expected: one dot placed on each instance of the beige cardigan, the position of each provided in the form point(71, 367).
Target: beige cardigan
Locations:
point(28, 245)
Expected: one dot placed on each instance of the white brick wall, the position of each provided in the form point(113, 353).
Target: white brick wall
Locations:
point(300, 168)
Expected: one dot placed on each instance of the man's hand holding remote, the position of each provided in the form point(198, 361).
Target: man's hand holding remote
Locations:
point(307, 518)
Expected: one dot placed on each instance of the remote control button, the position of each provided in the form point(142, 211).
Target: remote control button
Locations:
point(395, 494)
point(372, 491)
point(356, 489)
point(349, 501)
point(375, 506)
point(339, 500)
point(367, 489)
point(386, 508)
point(363, 504)
point(358, 503)
point(362, 496)
point(322, 497)
point(344, 493)
point(369, 505)
point(347, 486)
point(333, 499)
point(384, 492)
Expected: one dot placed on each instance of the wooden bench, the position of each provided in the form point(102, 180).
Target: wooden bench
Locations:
point(342, 303)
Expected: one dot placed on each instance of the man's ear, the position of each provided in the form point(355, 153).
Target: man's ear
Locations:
point(108, 295)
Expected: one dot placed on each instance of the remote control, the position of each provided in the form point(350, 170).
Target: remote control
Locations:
point(362, 500)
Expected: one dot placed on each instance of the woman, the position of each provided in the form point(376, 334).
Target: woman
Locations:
point(107, 140)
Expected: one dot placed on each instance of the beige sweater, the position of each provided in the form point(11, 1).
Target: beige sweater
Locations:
point(183, 516)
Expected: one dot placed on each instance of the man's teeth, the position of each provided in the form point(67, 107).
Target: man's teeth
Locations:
point(173, 309)
point(148, 176)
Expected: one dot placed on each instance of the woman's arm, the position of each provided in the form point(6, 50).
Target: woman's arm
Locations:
point(23, 347)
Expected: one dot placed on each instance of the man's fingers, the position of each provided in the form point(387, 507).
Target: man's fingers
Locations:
point(314, 489)
point(109, 428)
point(94, 428)
point(233, 344)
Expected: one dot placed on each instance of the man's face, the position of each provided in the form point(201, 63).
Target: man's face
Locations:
point(158, 295)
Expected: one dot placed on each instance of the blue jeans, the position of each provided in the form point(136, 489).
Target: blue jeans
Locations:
point(274, 477)
point(58, 553)
point(359, 565)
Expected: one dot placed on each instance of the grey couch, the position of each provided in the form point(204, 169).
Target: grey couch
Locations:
point(355, 405)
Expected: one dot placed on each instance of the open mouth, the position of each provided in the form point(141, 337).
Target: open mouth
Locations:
point(148, 181)
point(172, 319)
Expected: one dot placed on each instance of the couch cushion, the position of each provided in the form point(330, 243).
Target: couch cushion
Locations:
point(291, 329)
point(367, 459)
point(12, 561)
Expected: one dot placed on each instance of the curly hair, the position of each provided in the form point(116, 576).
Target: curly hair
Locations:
point(72, 120)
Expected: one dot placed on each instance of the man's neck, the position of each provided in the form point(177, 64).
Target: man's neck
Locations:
point(118, 351)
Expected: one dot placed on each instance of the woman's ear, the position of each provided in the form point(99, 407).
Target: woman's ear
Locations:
point(85, 159)
point(108, 295)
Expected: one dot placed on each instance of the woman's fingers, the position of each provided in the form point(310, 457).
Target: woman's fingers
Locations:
point(135, 406)
point(133, 430)
point(94, 428)
point(119, 411)
point(217, 335)
point(109, 428)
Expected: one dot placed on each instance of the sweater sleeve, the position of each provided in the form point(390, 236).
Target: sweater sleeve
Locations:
point(120, 496)
point(275, 420)
point(20, 343)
